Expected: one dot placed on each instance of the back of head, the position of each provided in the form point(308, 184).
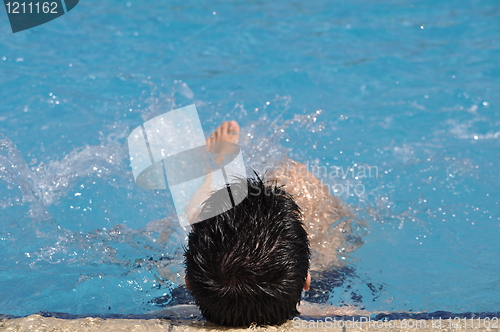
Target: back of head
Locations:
point(248, 264)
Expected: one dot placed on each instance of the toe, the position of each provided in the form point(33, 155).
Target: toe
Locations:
point(234, 132)
point(209, 143)
point(234, 128)
point(217, 133)
point(224, 128)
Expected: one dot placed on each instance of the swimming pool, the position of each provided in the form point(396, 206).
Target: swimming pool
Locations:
point(408, 90)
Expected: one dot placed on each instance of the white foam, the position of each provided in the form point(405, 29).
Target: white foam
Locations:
point(45, 184)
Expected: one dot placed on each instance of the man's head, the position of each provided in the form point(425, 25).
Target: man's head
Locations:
point(248, 264)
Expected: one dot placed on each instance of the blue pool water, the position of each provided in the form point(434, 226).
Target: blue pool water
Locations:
point(410, 89)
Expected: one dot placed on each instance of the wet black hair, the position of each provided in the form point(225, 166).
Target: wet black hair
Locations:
point(248, 265)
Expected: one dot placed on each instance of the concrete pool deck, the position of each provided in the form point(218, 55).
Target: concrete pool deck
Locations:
point(42, 324)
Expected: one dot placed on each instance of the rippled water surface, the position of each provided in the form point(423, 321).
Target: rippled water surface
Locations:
point(394, 105)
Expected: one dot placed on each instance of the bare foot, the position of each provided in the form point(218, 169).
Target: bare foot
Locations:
point(227, 132)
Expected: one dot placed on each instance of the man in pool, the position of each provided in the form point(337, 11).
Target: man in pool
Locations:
point(249, 264)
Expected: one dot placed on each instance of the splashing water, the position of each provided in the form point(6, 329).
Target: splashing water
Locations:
point(71, 223)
